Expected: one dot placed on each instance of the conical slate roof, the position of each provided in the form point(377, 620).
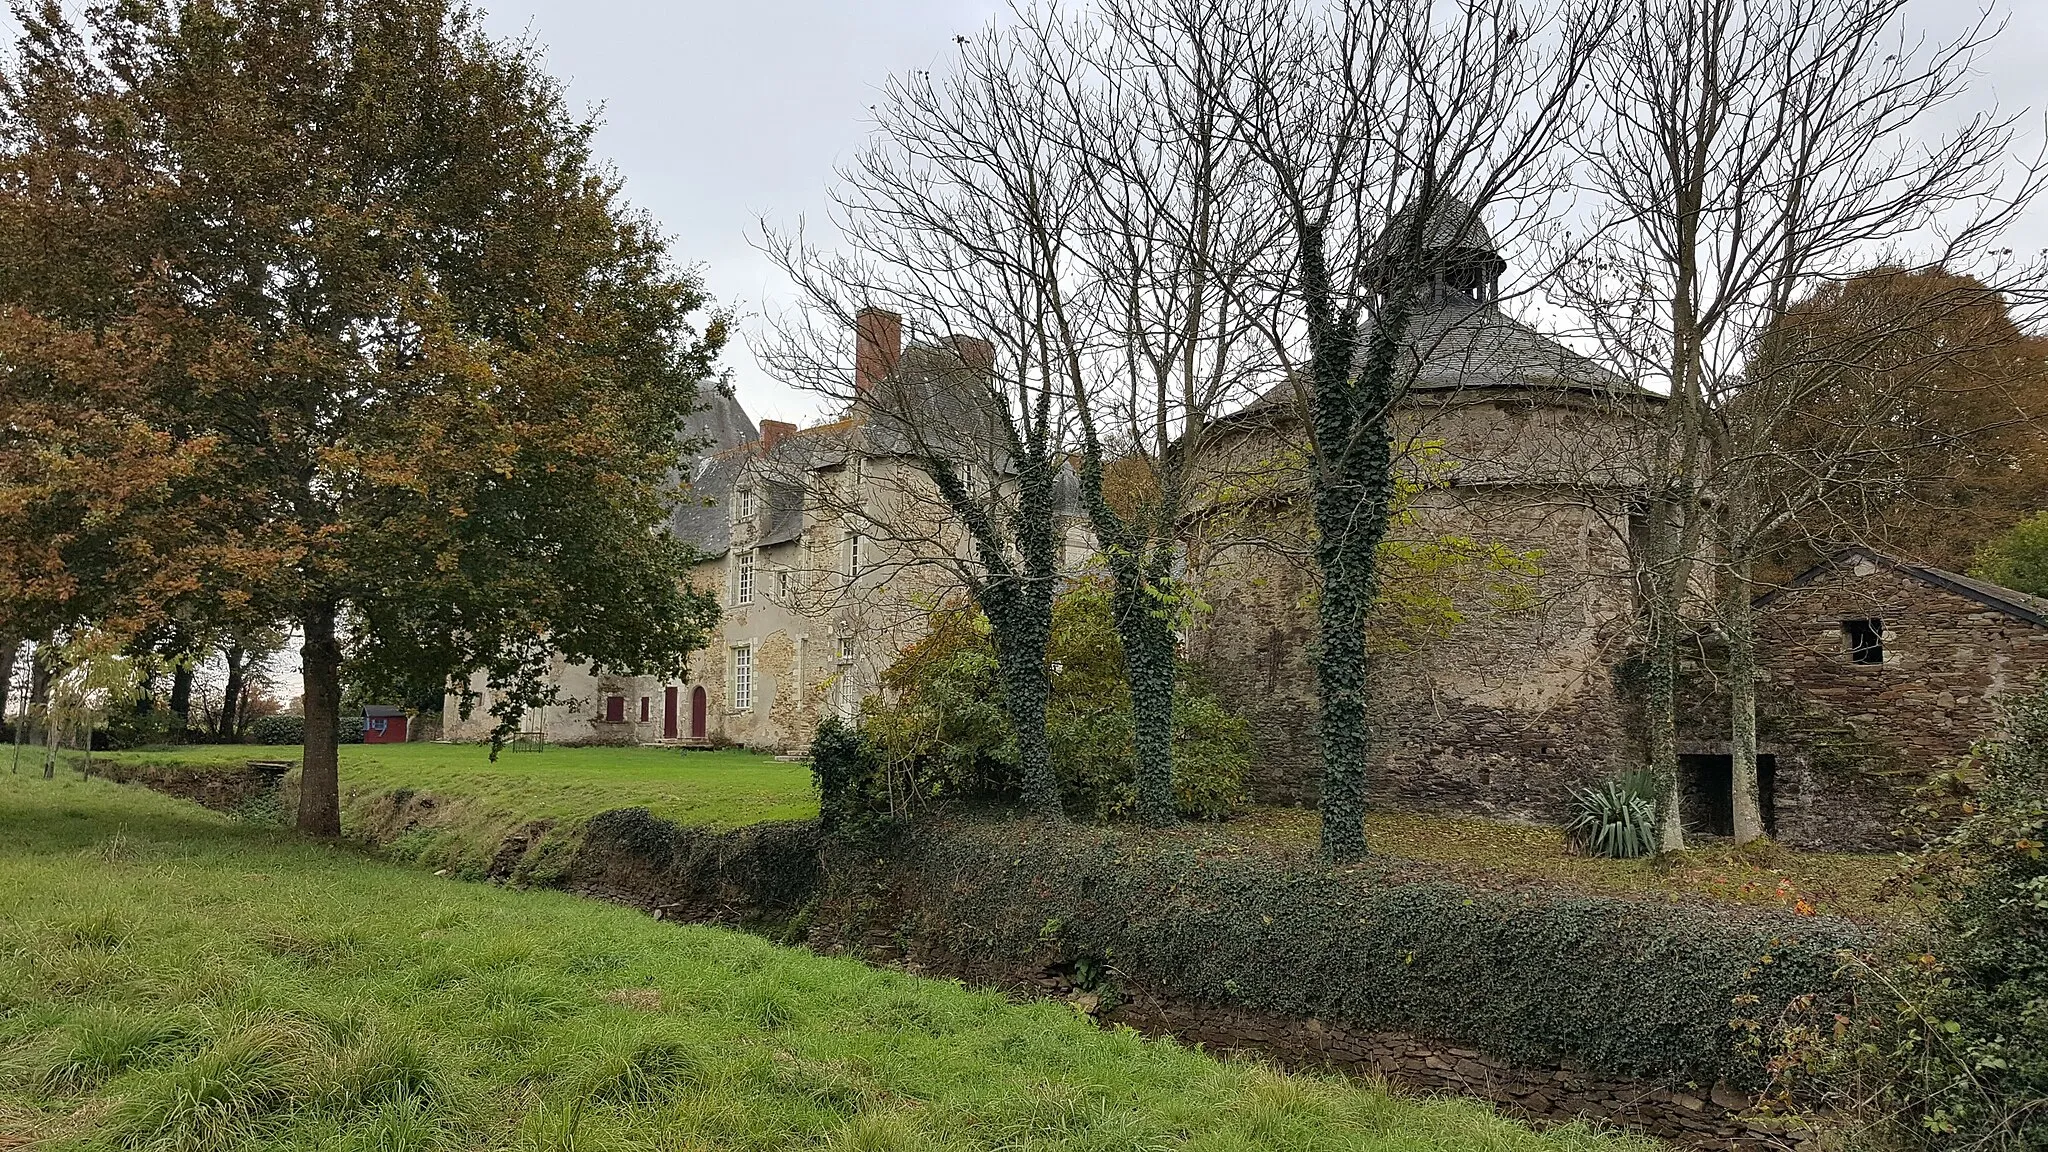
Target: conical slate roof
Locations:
point(1453, 224)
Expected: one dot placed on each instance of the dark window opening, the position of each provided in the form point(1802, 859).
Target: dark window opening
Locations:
point(1706, 797)
point(615, 709)
point(643, 709)
point(1866, 640)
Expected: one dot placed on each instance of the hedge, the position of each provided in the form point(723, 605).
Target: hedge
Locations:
point(1634, 987)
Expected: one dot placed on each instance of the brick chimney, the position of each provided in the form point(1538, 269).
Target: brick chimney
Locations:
point(877, 345)
point(772, 432)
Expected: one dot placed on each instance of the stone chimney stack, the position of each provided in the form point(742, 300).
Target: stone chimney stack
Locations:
point(772, 432)
point(877, 345)
point(973, 352)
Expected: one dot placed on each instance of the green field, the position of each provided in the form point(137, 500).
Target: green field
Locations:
point(717, 789)
point(171, 979)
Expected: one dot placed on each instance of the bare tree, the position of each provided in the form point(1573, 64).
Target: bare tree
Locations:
point(1152, 295)
point(953, 219)
point(1382, 132)
point(1749, 151)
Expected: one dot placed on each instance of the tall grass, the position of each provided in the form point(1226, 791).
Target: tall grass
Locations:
point(214, 986)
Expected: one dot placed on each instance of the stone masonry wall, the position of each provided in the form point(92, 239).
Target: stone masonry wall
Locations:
point(1853, 741)
point(1496, 716)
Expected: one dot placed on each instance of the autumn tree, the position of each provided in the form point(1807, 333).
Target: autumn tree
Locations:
point(323, 313)
point(2019, 557)
point(1950, 393)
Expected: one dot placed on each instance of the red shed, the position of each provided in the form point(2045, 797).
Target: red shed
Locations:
point(383, 724)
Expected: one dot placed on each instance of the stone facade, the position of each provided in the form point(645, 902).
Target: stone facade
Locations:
point(827, 548)
point(1502, 693)
point(1876, 673)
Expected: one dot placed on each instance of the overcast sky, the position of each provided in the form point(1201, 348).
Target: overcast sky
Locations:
point(718, 113)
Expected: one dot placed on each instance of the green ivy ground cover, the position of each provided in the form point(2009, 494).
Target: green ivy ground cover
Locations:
point(171, 979)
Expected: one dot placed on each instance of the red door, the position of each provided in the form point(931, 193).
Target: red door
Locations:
point(668, 713)
point(697, 712)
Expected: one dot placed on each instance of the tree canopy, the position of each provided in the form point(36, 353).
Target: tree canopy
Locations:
point(324, 312)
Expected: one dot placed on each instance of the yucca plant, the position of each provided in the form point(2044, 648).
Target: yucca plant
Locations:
point(1616, 818)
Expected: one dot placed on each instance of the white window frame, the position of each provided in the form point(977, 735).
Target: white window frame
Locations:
point(846, 649)
point(856, 553)
point(740, 673)
point(743, 577)
point(743, 505)
point(782, 585)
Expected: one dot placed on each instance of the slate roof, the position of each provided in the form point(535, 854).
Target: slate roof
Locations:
point(2014, 603)
point(1466, 345)
point(929, 392)
point(1454, 225)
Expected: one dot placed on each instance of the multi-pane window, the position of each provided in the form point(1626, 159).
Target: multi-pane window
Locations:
point(856, 553)
point(846, 649)
point(1866, 640)
point(782, 585)
point(743, 506)
point(742, 693)
point(743, 578)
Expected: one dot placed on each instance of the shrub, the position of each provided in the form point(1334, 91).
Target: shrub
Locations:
point(1633, 987)
point(351, 730)
point(947, 734)
point(1955, 1052)
point(277, 730)
point(1617, 818)
point(845, 770)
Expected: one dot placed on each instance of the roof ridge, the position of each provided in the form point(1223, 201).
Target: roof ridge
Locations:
point(2011, 601)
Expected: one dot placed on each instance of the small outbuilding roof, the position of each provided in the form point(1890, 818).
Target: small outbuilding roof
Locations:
point(2013, 603)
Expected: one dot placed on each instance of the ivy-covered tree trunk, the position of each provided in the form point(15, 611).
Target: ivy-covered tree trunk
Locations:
point(181, 692)
point(320, 774)
point(1145, 626)
point(1354, 490)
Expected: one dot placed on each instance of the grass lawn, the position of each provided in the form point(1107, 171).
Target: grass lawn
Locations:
point(564, 784)
point(170, 979)
point(1494, 853)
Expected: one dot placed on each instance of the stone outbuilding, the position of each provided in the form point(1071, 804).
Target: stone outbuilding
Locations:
point(1877, 673)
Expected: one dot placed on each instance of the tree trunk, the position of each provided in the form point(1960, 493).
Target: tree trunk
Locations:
point(8, 649)
point(49, 745)
point(1354, 483)
point(231, 694)
point(1741, 631)
point(1027, 689)
point(181, 693)
point(320, 774)
point(1660, 690)
point(1147, 634)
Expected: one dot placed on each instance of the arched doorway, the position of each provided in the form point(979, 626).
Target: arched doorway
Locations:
point(697, 710)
